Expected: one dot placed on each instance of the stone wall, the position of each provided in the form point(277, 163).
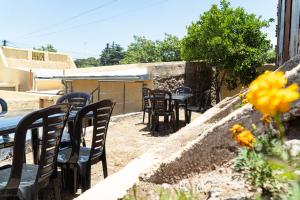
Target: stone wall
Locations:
point(196, 75)
point(168, 76)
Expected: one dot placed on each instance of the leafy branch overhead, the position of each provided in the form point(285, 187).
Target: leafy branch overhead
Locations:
point(229, 39)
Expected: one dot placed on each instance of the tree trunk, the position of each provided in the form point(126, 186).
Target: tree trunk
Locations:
point(218, 82)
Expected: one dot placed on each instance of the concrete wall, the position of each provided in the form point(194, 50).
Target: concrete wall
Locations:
point(30, 59)
point(15, 65)
point(128, 95)
point(46, 84)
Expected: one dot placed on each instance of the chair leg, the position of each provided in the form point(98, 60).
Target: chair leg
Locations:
point(149, 114)
point(83, 142)
point(104, 165)
point(85, 177)
point(173, 121)
point(56, 189)
point(143, 116)
point(189, 113)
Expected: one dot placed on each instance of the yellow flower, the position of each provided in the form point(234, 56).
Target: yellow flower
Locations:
point(246, 139)
point(268, 93)
point(266, 119)
point(244, 101)
point(237, 128)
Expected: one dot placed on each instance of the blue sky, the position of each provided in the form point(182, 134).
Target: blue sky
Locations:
point(82, 28)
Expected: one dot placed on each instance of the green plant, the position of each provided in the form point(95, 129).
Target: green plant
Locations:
point(231, 40)
point(266, 161)
point(164, 194)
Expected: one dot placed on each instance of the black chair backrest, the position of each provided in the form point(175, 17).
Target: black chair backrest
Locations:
point(183, 90)
point(161, 101)
point(146, 93)
point(52, 120)
point(77, 99)
point(101, 111)
point(3, 105)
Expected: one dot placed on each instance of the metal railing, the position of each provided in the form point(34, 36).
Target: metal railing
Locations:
point(97, 92)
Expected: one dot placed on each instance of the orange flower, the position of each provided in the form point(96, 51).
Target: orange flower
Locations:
point(237, 128)
point(245, 139)
point(266, 119)
point(269, 94)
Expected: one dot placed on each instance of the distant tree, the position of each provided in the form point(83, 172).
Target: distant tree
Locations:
point(48, 47)
point(142, 50)
point(229, 39)
point(88, 62)
point(169, 48)
point(112, 54)
point(271, 56)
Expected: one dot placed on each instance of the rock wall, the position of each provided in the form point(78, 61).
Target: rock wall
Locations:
point(168, 76)
point(196, 75)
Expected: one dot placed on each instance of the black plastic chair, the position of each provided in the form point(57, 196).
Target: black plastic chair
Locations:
point(3, 106)
point(184, 90)
point(78, 100)
point(161, 106)
point(146, 103)
point(202, 106)
point(76, 161)
point(24, 181)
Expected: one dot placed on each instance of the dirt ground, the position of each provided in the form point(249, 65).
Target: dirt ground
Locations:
point(127, 138)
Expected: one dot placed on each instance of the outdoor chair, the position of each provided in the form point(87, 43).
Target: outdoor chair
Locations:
point(3, 106)
point(184, 90)
point(202, 105)
point(161, 106)
point(78, 100)
point(22, 180)
point(76, 161)
point(146, 103)
point(6, 140)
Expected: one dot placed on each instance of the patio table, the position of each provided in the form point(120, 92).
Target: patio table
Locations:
point(10, 120)
point(177, 99)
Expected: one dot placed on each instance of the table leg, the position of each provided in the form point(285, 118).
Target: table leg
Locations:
point(35, 145)
point(185, 113)
point(177, 114)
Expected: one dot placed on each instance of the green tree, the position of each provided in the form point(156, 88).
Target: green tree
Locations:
point(112, 54)
point(142, 50)
point(88, 62)
point(229, 39)
point(48, 47)
point(169, 48)
point(271, 56)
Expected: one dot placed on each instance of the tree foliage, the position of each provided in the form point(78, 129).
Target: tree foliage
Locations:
point(88, 62)
point(48, 47)
point(112, 54)
point(229, 39)
point(169, 48)
point(143, 50)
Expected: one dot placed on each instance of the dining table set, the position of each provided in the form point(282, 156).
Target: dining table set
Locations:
point(61, 160)
point(164, 103)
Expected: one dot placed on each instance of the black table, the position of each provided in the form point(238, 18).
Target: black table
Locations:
point(177, 99)
point(10, 120)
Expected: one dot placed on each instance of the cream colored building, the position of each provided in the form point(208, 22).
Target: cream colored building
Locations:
point(20, 69)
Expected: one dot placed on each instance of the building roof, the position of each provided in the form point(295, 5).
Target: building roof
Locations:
point(125, 74)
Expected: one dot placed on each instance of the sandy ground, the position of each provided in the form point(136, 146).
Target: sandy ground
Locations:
point(127, 138)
